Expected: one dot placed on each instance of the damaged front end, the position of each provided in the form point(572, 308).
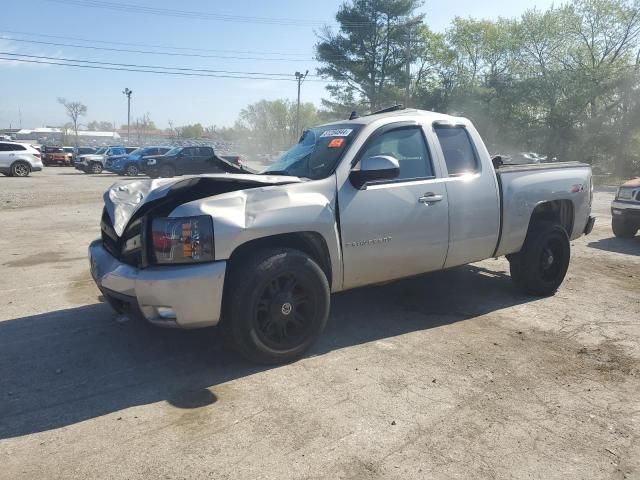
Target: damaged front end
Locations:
point(131, 206)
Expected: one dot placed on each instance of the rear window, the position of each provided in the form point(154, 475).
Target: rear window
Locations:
point(459, 153)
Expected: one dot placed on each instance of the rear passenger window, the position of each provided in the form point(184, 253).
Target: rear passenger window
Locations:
point(408, 147)
point(5, 147)
point(459, 154)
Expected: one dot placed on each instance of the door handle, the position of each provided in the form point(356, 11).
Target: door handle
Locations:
point(430, 198)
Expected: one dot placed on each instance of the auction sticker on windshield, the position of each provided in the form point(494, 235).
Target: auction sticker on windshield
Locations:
point(338, 132)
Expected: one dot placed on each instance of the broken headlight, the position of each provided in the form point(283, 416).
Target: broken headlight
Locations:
point(182, 240)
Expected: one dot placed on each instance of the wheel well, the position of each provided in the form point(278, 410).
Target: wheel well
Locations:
point(311, 243)
point(20, 160)
point(557, 211)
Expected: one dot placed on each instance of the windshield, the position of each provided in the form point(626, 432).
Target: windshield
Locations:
point(317, 153)
point(173, 152)
point(101, 151)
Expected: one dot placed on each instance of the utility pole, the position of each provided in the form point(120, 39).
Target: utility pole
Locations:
point(300, 78)
point(407, 91)
point(128, 93)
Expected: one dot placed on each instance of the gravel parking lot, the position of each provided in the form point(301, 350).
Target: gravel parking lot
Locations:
point(450, 375)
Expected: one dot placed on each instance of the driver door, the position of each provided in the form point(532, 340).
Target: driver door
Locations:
point(394, 228)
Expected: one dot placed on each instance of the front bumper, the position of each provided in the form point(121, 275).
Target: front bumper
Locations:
point(82, 167)
point(187, 296)
point(627, 211)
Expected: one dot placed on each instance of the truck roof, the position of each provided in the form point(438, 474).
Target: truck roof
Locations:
point(406, 112)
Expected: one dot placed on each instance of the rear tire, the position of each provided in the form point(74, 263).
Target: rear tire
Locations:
point(623, 229)
point(131, 170)
point(276, 305)
point(20, 169)
point(540, 267)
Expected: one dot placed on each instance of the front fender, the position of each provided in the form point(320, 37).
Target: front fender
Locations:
point(246, 215)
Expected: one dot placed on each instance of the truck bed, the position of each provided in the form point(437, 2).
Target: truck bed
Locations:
point(524, 187)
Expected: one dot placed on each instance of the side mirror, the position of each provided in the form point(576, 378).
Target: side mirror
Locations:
point(497, 161)
point(380, 167)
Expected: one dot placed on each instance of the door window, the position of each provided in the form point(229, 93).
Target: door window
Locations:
point(190, 152)
point(406, 145)
point(459, 153)
point(5, 147)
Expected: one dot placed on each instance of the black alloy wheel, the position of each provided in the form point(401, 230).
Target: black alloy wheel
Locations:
point(284, 313)
point(540, 267)
point(276, 304)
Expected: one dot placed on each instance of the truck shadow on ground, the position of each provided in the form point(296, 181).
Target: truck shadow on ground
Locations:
point(628, 246)
point(64, 367)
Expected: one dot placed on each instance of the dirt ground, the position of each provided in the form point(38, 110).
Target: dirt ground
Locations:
point(450, 375)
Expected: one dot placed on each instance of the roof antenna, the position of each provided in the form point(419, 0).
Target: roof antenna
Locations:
point(353, 115)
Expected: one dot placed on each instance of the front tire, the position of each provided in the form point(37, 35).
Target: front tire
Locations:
point(20, 169)
point(540, 267)
point(623, 229)
point(276, 305)
point(95, 168)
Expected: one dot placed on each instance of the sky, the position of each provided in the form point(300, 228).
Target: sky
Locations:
point(267, 37)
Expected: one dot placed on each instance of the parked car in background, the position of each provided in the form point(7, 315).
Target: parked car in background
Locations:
point(70, 151)
point(83, 151)
point(354, 203)
point(625, 209)
point(95, 163)
point(19, 159)
point(131, 165)
point(56, 155)
point(188, 161)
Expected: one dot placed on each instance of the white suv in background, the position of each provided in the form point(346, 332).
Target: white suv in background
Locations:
point(19, 159)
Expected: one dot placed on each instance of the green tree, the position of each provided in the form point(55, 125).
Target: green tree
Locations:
point(367, 56)
point(100, 126)
point(271, 123)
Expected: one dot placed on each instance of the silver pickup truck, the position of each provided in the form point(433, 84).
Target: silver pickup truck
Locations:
point(354, 203)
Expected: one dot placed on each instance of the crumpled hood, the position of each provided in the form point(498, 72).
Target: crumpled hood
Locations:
point(124, 199)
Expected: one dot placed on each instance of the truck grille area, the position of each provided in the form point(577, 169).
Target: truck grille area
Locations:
point(130, 247)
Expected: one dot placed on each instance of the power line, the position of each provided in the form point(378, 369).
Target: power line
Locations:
point(129, 8)
point(142, 70)
point(147, 45)
point(146, 52)
point(134, 65)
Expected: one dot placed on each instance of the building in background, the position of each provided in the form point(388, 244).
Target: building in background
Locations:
point(51, 135)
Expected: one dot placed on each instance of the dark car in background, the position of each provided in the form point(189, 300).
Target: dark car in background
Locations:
point(188, 161)
point(131, 165)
